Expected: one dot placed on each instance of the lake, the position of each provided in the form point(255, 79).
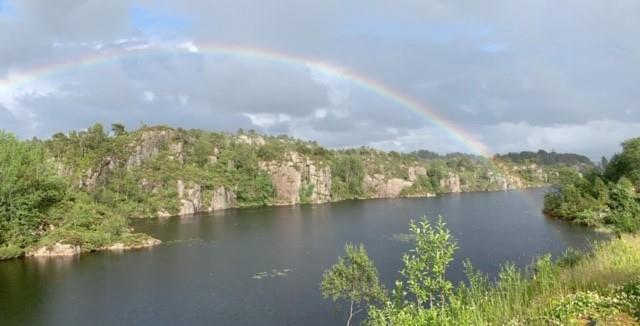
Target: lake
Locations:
point(262, 266)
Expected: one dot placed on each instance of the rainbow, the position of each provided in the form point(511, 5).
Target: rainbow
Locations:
point(356, 78)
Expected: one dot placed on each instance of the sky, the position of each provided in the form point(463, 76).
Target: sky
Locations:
point(510, 75)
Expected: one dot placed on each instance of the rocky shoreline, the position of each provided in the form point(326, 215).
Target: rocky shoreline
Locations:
point(67, 250)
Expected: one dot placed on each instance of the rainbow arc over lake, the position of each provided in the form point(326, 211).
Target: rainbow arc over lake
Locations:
point(386, 91)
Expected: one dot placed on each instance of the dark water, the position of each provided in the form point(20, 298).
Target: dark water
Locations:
point(209, 269)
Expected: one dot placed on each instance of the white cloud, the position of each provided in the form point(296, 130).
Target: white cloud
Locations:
point(266, 120)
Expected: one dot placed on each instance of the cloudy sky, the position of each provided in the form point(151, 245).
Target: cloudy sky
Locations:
point(514, 75)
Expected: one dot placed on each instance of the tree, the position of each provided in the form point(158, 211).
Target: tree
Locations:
point(348, 173)
point(28, 189)
point(624, 206)
point(604, 162)
point(626, 164)
point(426, 264)
point(118, 129)
point(419, 297)
point(354, 278)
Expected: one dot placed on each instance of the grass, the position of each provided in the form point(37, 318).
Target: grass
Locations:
point(602, 286)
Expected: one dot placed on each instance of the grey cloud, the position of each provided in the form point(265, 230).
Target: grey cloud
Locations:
point(524, 69)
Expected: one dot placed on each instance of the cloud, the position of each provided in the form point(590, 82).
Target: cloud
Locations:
point(515, 74)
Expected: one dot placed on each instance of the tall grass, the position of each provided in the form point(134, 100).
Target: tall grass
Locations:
point(576, 290)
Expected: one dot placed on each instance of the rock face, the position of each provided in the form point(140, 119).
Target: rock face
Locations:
point(507, 182)
point(289, 175)
point(415, 171)
point(149, 145)
point(287, 181)
point(222, 199)
point(320, 179)
point(119, 246)
point(451, 183)
point(98, 175)
point(190, 197)
point(177, 152)
point(56, 250)
point(251, 140)
point(381, 187)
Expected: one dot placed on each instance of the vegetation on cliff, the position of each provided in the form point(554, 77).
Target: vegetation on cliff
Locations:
point(606, 196)
point(83, 187)
point(39, 207)
point(600, 287)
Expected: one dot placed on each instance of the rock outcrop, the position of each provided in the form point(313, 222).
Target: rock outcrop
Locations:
point(222, 199)
point(251, 140)
point(98, 175)
point(67, 250)
point(177, 152)
point(320, 179)
point(119, 246)
point(289, 175)
point(415, 171)
point(381, 187)
point(56, 250)
point(507, 182)
point(451, 183)
point(190, 197)
point(148, 146)
point(287, 181)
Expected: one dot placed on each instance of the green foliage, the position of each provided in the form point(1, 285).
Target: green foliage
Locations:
point(626, 164)
point(28, 190)
point(582, 288)
point(547, 158)
point(425, 291)
point(624, 207)
point(118, 129)
point(597, 198)
point(37, 207)
point(306, 191)
point(348, 177)
point(9, 251)
point(582, 307)
point(353, 278)
point(426, 264)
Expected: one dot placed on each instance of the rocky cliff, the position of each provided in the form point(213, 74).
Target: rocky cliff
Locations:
point(299, 179)
point(183, 172)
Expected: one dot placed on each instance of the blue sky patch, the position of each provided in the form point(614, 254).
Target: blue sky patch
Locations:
point(6, 9)
point(494, 47)
point(158, 20)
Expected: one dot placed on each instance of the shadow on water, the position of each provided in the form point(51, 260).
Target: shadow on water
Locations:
point(262, 266)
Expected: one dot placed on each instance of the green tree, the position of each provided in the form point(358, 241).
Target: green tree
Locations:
point(348, 176)
point(624, 206)
point(118, 129)
point(604, 162)
point(202, 150)
point(426, 264)
point(28, 189)
point(354, 279)
point(423, 295)
point(626, 164)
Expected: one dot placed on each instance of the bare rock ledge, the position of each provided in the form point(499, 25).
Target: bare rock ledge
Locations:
point(66, 250)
